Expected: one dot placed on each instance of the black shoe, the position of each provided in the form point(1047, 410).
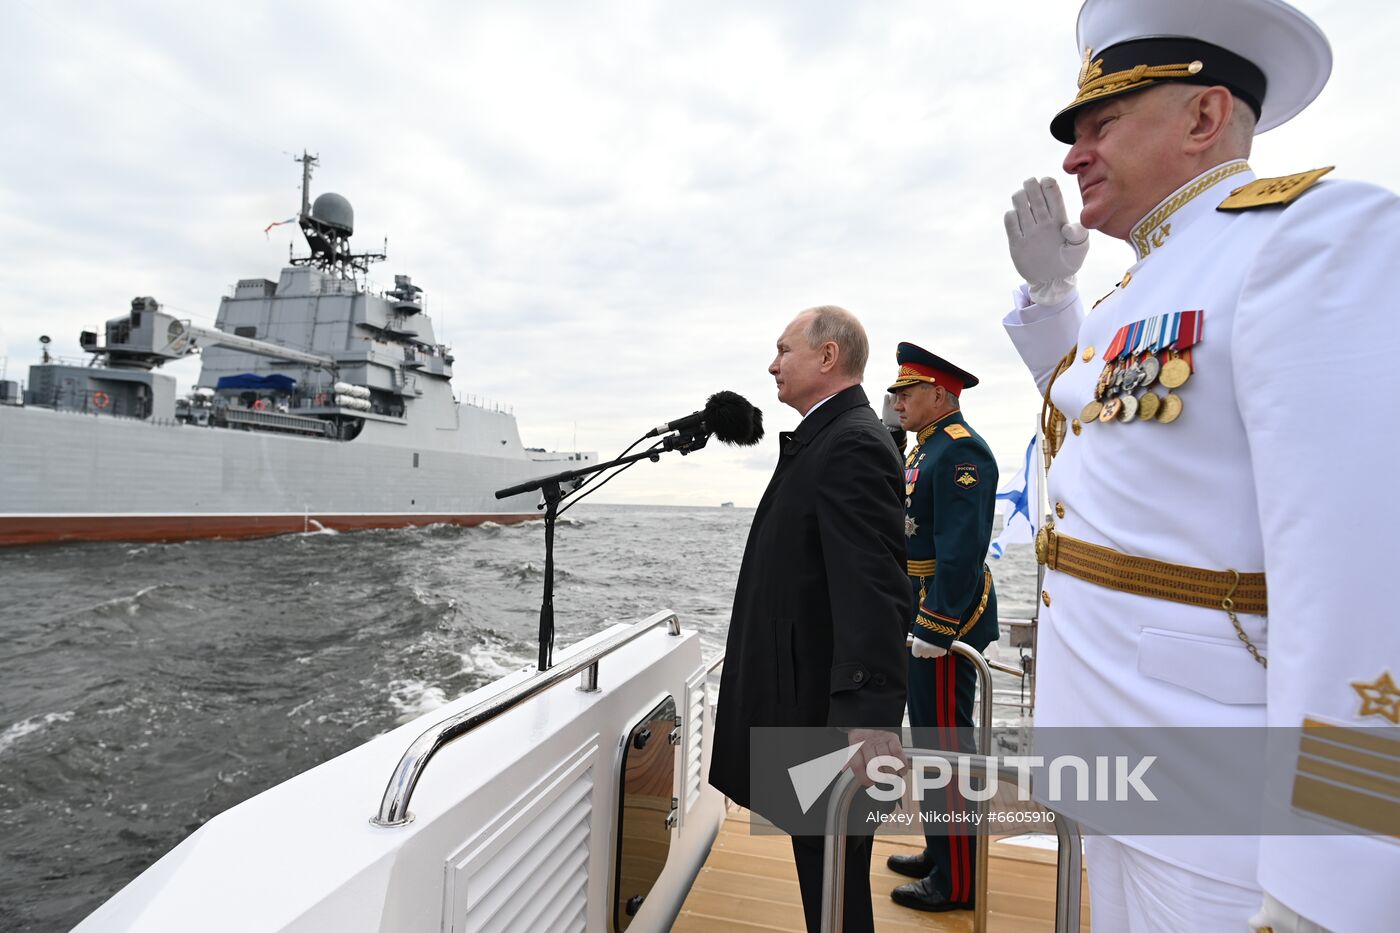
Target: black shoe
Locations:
point(925, 894)
point(911, 866)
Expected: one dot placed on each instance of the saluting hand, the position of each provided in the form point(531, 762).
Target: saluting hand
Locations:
point(1046, 248)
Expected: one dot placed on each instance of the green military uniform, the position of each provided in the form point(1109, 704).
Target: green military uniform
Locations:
point(950, 483)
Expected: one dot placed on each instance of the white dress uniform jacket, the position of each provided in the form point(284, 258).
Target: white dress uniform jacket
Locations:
point(1283, 460)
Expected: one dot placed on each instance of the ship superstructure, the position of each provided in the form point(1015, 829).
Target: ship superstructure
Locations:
point(320, 404)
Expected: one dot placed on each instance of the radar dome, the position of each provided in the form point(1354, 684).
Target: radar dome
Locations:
point(334, 211)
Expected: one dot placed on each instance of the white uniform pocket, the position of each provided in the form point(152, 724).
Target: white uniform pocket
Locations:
point(1220, 668)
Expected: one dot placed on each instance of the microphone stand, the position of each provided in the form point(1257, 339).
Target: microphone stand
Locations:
point(552, 489)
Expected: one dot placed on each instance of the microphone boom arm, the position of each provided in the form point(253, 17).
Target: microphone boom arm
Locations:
point(552, 488)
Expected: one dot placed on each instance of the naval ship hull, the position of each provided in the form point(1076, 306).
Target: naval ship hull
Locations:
point(70, 476)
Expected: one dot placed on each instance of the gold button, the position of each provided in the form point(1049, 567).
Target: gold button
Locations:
point(1127, 277)
point(1076, 427)
point(1045, 597)
point(1088, 354)
point(1059, 510)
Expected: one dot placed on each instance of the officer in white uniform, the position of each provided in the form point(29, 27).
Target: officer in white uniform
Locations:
point(1214, 559)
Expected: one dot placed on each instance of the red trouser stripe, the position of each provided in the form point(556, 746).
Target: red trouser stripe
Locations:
point(950, 685)
point(965, 872)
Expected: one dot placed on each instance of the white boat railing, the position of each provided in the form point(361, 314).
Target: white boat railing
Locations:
point(393, 807)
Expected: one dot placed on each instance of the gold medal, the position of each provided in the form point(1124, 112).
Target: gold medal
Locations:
point(1105, 378)
point(1148, 405)
point(1110, 411)
point(1091, 411)
point(1175, 372)
point(1129, 410)
point(1171, 408)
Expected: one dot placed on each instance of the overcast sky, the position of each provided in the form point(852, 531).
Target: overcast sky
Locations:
point(613, 207)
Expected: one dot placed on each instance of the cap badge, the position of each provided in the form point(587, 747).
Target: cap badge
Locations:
point(1090, 69)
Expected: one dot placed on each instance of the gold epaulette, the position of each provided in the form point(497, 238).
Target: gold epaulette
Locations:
point(1269, 192)
point(957, 432)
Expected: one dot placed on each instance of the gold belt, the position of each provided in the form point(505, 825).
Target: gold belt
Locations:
point(922, 568)
point(1143, 576)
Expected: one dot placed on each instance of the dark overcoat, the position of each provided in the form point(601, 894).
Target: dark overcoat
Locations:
point(822, 607)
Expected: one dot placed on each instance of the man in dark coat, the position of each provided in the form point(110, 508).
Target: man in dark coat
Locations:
point(822, 607)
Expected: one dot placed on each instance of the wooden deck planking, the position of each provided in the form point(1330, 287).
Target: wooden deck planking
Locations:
point(748, 883)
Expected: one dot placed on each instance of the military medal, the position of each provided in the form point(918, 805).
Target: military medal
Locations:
point(1110, 410)
point(1186, 331)
point(1175, 372)
point(1150, 370)
point(1105, 378)
point(1132, 378)
point(911, 527)
point(1129, 410)
point(1091, 411)
point(1148, 405)
point(1171, 408)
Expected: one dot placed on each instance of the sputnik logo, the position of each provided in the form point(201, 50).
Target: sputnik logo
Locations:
point(811, 778)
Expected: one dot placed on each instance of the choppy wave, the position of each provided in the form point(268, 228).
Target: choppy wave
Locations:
point(29, 726)
point(413, 698)
point(130, 604)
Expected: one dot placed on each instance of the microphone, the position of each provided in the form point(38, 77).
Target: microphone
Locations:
point(726, 415)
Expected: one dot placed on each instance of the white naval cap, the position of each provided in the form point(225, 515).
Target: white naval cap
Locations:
point(1266, 52)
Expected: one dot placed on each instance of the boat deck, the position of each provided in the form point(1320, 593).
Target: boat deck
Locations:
point(749, 883)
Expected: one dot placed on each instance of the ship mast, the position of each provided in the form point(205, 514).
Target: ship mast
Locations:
point(308, 162)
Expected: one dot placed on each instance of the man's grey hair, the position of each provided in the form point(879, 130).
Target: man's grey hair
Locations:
point(1241, 127)
point(828, 323)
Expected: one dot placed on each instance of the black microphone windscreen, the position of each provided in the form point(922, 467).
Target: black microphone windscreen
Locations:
point(757, 434)
point(731, 418)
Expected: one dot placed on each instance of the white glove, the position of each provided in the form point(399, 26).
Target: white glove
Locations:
point(888, 415)
point(923, 649)
point(1277, 918)
point(1046, 248)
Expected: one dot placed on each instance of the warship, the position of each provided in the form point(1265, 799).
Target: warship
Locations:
point(320, 405)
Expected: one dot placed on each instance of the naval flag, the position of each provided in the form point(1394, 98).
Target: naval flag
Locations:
point(1017, 504)
point(278, 223)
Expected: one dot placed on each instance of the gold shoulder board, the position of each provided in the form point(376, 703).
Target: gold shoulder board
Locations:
point(1267, 192)
point(957, 432)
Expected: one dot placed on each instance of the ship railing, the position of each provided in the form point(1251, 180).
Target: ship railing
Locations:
point(1019, 634)
point(838, 813)
point(393, 807)
point(1069, 863)
point(102, 402)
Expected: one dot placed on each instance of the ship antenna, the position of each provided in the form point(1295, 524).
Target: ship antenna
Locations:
point(308, 162)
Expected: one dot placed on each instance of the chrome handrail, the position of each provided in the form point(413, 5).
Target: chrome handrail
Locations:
point(984, 744)
point(393, 807)
point(714, 663)
point(1068, 870)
